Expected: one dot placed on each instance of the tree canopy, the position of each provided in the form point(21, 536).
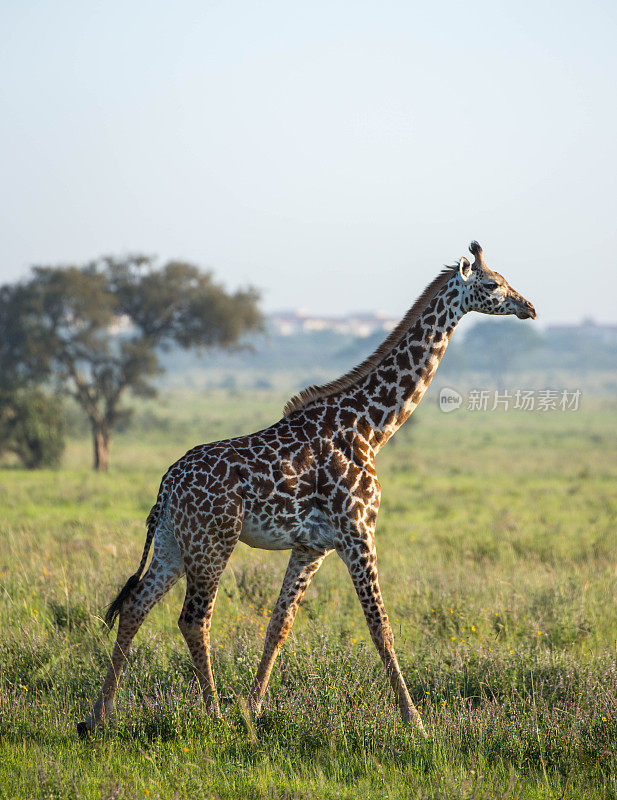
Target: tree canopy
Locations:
point(93, 331)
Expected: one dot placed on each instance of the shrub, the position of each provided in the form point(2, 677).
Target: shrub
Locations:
point(32, 427)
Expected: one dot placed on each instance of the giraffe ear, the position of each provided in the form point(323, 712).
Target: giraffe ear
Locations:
point(464, 267)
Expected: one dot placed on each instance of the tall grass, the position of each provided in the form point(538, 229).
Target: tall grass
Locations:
point(496, 542)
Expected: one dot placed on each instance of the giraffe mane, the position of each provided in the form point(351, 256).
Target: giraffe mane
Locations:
point(313, 393)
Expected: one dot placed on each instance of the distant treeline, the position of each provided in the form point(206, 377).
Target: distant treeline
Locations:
point(497, 350)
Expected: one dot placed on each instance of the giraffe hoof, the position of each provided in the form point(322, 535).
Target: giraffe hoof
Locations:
point(213, 712)
point(83, 731)
point(418, 728)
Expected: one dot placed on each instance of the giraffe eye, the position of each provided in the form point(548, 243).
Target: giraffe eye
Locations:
point(490, 285)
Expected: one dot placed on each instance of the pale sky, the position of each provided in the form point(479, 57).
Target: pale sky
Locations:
point(335, 154)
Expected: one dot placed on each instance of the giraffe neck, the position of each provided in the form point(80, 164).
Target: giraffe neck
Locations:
point(387, 396)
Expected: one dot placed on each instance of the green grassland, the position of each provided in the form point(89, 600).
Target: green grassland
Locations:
point(497, 548)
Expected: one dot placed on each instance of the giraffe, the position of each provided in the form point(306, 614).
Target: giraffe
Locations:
point(306, 484)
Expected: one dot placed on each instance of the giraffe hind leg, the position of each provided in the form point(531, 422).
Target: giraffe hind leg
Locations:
point(166, 568)
point(206, 553)
point(195, 620)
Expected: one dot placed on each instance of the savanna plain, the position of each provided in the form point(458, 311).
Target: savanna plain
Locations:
point(497, 550)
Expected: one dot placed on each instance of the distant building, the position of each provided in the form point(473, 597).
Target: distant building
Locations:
point(290, 323)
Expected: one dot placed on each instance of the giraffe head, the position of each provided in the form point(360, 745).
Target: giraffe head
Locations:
point(489, 292)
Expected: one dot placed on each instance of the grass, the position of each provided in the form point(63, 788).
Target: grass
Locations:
point(496, 541)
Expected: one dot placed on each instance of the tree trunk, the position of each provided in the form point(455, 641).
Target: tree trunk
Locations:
point(100, 439)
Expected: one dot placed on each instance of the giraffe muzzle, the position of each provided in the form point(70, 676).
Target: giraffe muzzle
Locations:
point(525, 310)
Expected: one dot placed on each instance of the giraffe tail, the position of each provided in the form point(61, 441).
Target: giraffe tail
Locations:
point(115, 607)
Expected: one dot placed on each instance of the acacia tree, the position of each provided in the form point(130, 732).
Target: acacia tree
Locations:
point(95, 330)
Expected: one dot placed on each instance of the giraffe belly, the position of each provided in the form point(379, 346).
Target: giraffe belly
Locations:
point(257, 535)
point(313, 531)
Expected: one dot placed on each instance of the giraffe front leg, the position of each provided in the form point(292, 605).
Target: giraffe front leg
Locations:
point(303, 564)
point(361, 561)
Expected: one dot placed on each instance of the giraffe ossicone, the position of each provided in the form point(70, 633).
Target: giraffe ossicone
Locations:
point(307, 484)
